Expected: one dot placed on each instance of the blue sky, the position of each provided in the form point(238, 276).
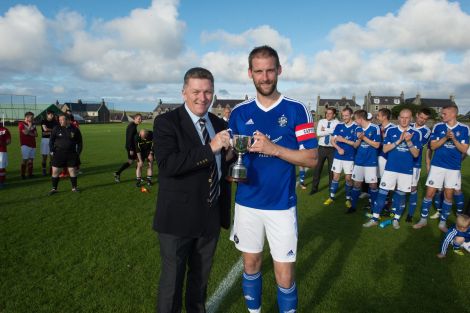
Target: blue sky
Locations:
point(132, 53)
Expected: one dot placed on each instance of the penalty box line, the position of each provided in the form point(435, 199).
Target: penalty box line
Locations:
point(224, 287)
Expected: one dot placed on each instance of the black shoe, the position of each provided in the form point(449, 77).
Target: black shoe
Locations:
point(75, 190)
point(53, 191)
point(23, 177)
point(149, 182)
point(350, 210)
point(313, 191)
point(409, 219)
point(138, 183)
point(117, 177)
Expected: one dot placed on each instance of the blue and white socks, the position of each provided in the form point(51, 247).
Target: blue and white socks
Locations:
point(287, 299)
point(252, 285)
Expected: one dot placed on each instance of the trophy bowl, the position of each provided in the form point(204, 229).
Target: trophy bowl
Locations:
point(238, 171)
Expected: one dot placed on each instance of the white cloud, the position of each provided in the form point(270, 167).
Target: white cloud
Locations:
point(23, 38)
point(58, 89)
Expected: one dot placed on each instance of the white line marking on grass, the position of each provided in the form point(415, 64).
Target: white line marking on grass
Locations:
point(215, 300)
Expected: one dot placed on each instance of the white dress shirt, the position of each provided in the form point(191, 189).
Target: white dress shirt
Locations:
point(329, 127)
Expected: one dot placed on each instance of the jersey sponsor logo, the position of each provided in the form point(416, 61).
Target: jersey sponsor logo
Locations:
point(282, 121)
point(249, 122)
point(305, 132)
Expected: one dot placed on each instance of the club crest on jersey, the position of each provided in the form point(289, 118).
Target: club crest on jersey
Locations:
point(72, 135)
point(457, 133)
point(282, 121)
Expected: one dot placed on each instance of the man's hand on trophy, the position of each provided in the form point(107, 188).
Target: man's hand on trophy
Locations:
point(263, 144)
point(220, 140)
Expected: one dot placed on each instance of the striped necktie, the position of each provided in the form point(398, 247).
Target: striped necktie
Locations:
point(214, 179)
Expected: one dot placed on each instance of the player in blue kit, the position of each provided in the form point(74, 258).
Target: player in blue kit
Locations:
point(449, 140)
point(421, 118)
point(457, 235)
point(284, 136)
point(383, 116)
point(344, 138)
point(402, 143)
point(365, 162)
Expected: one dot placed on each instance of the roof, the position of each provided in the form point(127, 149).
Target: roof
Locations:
point(165, 106)
point(340, 102)
point(227, 102)
point(432, 102)
point(83, 107)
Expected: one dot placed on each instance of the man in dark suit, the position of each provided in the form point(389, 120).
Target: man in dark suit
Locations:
point(193, 202)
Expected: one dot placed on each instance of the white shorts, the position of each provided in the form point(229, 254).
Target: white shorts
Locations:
point(439, 177)
point(365, 173)
point(3, 160)
point(45, 146)
point(381, 167)
point(27, 152)
point(415, 178)
point(401, 181)
point(342, 166)
point(280, 226)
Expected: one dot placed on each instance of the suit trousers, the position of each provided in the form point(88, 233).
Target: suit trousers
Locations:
point(181, 257)
point(324, 153)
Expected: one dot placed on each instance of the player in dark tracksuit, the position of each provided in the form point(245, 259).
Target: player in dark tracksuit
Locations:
point(65, 146)
point(144, 149)
point(131, 135)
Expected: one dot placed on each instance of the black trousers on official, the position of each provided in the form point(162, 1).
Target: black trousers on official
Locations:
point(324, 154)
point(184, 257)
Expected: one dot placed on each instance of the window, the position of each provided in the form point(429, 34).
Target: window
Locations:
point(376, 107)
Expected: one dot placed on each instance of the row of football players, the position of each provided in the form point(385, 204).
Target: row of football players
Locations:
point(388, 158)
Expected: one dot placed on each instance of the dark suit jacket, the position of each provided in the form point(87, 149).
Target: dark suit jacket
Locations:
point(183, 175)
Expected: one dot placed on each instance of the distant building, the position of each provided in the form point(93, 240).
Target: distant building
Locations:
point(338, 104)
point(164, 107)
point(122, 117)
point(90, 112)
point(436, 104)
point(219, 105)
point(373, 104)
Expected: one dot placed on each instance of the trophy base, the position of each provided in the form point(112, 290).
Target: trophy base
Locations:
point(236, 179)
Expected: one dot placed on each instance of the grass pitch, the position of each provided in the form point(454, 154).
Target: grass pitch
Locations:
point(96, 251)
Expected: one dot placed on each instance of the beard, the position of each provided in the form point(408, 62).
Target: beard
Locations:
point(266, 92)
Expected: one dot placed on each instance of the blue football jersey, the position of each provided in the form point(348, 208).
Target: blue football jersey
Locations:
point(425, 135)
point(366, 155)
point(271, 180)
point(349, 133)
point(383, 130)
point(447, 156)
point(400, 159)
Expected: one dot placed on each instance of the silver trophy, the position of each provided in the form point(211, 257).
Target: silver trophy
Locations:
point(238, 171)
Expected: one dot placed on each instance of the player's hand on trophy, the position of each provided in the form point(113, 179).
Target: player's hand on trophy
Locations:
point(262, 144)
point(450, 134)
point(220, 140)
point(407, 136)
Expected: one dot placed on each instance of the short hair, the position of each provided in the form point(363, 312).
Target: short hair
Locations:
point(424, 111)
point(462, 220)
point(386, 112)
point(361, 114)
point(29, 113)
point(138, 114)
point(332, 109)
point(66, 116)
point(347, 109)
point(451, 106)
point(199, 73)
point(263, 51)
point(407, 109)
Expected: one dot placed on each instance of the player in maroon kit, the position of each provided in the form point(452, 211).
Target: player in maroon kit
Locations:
point(28, 134)
point(5, 139)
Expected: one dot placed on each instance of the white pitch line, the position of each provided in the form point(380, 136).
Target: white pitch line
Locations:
point(224, 287)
